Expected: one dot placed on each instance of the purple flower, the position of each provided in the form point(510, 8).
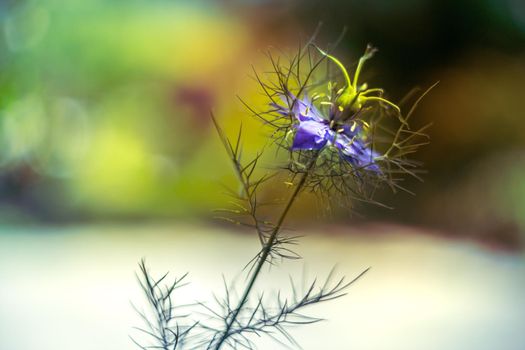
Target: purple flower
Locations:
point(313, 132)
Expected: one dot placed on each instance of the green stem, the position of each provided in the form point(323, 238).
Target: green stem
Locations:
point(264, 255)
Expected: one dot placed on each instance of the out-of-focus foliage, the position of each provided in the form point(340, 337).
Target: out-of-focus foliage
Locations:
point(107, 104)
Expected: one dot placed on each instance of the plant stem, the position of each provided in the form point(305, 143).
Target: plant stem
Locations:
point(264, 255)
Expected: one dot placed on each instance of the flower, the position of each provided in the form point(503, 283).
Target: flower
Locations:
point(335, 129)
point(314, 132)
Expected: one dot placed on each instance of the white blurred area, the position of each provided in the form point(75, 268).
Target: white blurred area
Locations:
point(71, 287)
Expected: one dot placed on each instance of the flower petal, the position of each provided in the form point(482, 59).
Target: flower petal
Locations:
point(305, 111)
point(311, 135)
point(302, 109)
point(357, 153)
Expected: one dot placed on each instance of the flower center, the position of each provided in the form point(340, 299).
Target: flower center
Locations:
point(336, 126)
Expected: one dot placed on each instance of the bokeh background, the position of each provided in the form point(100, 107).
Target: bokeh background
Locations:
point(107, 154)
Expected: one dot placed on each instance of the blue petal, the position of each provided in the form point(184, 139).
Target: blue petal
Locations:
point(311, 135)
point(351, 132)
point(357, 153)
point(302, 109)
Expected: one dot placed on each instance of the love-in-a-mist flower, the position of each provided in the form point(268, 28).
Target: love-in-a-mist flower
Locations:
point(313, 131)
point(336, 129)
point(336, 121)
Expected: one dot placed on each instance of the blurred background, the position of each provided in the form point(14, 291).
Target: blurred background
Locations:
point(106, 141)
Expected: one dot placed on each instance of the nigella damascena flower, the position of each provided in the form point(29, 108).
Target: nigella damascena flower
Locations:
point(313, 131)
point(347, 137)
